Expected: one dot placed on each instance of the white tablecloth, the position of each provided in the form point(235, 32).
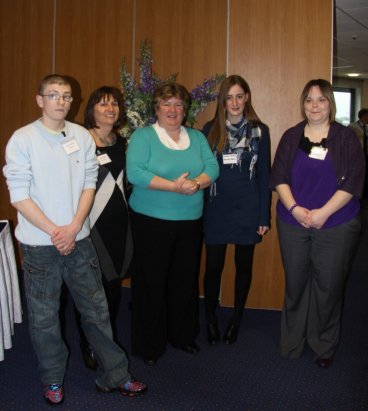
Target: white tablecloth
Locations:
point(10, 304)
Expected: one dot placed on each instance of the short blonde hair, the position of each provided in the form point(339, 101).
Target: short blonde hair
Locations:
point(52, 79)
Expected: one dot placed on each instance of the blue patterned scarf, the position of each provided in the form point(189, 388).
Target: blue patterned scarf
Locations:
point(243, 137)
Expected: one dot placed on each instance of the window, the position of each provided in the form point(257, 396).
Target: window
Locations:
point(345, 105)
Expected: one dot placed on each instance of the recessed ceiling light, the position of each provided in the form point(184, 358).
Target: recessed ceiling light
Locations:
point(353, 74)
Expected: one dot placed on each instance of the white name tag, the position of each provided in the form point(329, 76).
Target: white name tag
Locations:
point(103, 159)
point(230, 159)
point(318, 153)
point(71, 146)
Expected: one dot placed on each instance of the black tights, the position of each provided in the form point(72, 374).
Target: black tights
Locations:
point(215, 260)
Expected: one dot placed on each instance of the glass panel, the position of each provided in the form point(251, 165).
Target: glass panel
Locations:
point(343, 107)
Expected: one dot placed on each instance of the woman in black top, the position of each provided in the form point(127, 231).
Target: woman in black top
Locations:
point(109, 218)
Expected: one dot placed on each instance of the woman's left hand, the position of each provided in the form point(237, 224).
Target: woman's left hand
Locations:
point(188, 187)
point(317, 218)
point(262, 229)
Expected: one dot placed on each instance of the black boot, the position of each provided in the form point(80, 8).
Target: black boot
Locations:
point(231, 334)
point(213, 333)
point(88, 356)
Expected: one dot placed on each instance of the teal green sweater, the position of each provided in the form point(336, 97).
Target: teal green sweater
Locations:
point(148, 157)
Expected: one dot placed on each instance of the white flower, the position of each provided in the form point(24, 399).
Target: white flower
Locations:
point(135, 118)
point(125, 131)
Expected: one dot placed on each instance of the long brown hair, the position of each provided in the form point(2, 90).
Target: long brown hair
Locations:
point(217, 136)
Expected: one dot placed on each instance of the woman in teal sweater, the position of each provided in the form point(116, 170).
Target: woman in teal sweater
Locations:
point(169, 166)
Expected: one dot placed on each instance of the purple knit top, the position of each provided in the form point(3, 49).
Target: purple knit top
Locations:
point(313, 183)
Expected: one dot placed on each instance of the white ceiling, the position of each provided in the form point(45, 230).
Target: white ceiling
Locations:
point(351, 38)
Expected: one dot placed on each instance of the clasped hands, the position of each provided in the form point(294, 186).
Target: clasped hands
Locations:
point(63, 238)
point(310, 218)
point(184, 185)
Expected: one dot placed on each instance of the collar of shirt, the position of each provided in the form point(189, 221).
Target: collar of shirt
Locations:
point(167, 141)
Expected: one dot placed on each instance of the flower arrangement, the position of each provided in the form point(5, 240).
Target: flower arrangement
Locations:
point(138, 96)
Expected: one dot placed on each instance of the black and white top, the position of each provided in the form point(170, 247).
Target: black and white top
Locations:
point(109, 217)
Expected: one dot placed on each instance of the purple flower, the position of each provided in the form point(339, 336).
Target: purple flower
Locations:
point(138, 96)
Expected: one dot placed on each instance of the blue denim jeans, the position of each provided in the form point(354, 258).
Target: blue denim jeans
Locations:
point(44, 272)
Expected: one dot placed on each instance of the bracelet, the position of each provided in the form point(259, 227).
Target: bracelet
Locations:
point(198, 184)
point(292, 208)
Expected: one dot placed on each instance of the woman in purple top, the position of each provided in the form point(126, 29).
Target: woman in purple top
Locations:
point(318, 173)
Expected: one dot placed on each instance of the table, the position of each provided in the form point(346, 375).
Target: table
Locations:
point(10, 302)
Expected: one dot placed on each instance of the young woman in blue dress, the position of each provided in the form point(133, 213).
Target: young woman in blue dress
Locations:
point(237, 207)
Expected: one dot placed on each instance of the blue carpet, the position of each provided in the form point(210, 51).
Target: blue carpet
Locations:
point(250, 375)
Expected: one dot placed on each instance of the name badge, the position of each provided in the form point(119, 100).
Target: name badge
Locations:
point(318, 153)
point(230, 158)
point(103, 159)
point(71, 146)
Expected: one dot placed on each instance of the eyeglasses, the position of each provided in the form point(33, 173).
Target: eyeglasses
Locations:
point(57, 97)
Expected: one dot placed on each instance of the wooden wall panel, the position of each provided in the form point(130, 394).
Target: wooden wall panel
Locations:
point(277, 47)
point(188, 38)
point(26, 49)
point(284, 44)
point(92, 38)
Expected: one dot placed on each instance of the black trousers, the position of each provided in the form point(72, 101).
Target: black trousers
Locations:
point(164, 284)
point(365, 188)
point(215, 260)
